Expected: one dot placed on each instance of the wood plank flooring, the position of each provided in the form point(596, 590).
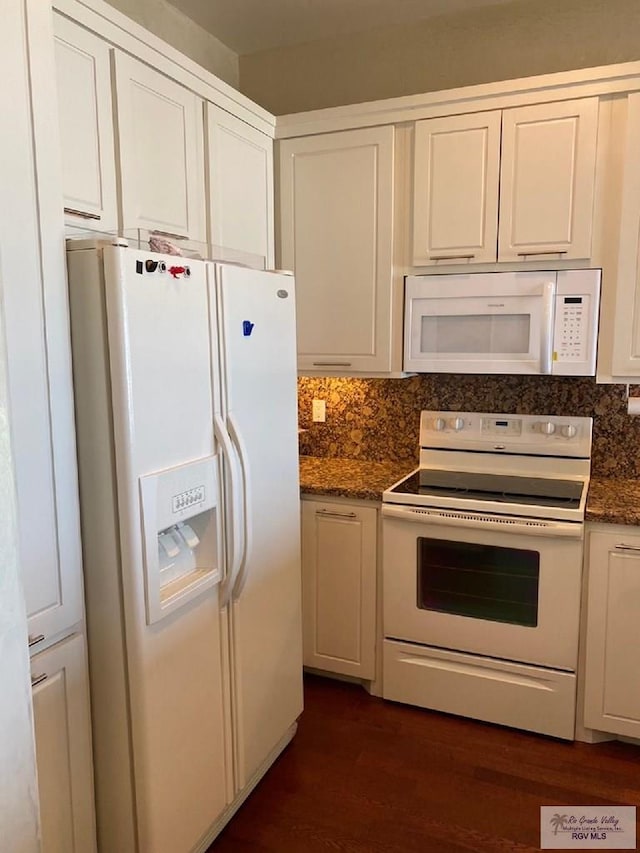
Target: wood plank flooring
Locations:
point(367, 776)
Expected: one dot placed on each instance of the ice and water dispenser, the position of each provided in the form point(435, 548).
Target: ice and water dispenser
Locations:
point(181, 542)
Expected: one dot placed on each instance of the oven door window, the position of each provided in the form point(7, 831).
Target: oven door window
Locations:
point(480, 581)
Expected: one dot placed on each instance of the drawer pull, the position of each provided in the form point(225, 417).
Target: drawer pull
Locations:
point(83, 214)
point(35, 639)
point(332, 364)
point(548, 252)
point(623, 547)
point(332, 514)
point(38, 679)
point(451, 257)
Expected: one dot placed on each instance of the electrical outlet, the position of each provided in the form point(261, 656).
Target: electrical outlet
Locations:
point(319, 411)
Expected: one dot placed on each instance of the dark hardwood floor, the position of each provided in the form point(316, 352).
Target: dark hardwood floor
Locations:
point(367, 776)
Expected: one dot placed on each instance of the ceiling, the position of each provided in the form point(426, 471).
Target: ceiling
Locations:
point(247, 26)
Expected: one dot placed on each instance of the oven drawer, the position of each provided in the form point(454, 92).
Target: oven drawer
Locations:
point(525, 697)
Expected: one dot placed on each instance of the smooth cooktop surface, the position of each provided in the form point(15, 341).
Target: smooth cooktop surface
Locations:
point(497, 488)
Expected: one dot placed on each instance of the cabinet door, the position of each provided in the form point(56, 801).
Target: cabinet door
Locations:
point(336, 233)
point(455, 189)
point(83, 80)
point(547, 180)
point(160, 133)
point(63, 747)
point(612, 687)
point(339, 587)
point(34, 296)
point(626, 343)
point(240, 175)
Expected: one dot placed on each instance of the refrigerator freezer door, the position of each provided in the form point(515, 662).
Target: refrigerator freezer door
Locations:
point(257, 332)
point(161, 377)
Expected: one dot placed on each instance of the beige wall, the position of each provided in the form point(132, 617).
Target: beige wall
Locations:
point(497, 43)
point(169, 24)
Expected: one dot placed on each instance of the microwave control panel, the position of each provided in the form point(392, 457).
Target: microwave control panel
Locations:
point(575, 329)
point(572, 331)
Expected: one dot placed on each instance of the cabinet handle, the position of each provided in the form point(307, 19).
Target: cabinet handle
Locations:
point(332, 364)
point(623, 547)
point(83, 214)
point(38, 679)
point(549, 252)
point(336, 514)
point(451, 257)
point(34, 640)
point(169, 234)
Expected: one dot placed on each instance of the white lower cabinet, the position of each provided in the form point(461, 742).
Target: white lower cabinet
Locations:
point(63, 747)
point(339, 587)
point(612, 684)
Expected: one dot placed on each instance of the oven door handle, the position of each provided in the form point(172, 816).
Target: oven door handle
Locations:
point(485, 521)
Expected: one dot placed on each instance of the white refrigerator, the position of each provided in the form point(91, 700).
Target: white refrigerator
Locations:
point(185, 387)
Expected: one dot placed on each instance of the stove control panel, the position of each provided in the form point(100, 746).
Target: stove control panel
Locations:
point(546, 435)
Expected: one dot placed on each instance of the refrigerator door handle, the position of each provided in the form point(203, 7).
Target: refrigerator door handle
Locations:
point(237, 439)
point(222, 436)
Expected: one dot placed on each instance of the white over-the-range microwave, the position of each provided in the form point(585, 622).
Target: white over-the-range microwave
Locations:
point(505, 322)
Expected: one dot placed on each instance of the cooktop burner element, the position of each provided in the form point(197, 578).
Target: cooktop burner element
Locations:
point(518, 465)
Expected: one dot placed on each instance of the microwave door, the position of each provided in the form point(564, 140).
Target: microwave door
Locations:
point(482, 334)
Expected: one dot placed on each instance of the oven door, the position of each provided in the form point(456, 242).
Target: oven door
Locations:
point(490, 585)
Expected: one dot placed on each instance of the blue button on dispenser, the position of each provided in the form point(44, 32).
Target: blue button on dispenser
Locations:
point(247, 328)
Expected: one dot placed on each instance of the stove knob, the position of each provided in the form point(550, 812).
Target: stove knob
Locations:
point(547, 428)
point(568, 431)
point(439, 424)
point(456, 424)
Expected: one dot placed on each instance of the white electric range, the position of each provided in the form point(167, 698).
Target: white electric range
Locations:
point(482, 565)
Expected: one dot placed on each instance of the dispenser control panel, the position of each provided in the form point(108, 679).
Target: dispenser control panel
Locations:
point(191, 497)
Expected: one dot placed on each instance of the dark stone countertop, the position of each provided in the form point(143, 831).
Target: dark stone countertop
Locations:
point(610, 501)
point(349, 478)
point(613, 501)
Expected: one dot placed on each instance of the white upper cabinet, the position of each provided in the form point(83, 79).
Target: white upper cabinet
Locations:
point(83, 80)
point(160, 134)
point(548, 180)
point(240, 181)
point(39, 378)
point(455, 190)
point(336, 208)
point(626, 340)
point(531, 169)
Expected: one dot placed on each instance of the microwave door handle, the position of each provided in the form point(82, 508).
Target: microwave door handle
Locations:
point(548, 317)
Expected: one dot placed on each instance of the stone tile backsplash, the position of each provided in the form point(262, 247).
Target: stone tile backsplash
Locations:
point(378, 419)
